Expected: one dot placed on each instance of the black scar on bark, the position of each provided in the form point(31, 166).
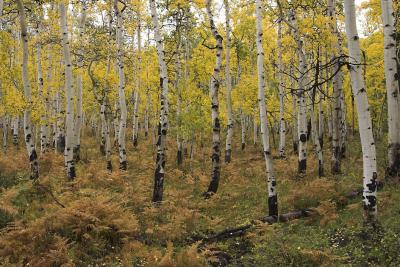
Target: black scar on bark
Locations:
point(228, 155)
point(320, 168)
point(102, 149)
point(321, 141)
point(179, 157)
point(123, 165)
point(135, 141)
point(273, 206)
point(243, 146)
point(33, 156)
point(302, 166)
point(308, 130)
point(303, 137)
point(71, 173)
point(158, 185)
point(109, 165)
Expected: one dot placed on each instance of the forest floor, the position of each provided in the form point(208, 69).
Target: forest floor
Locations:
point(104, 219)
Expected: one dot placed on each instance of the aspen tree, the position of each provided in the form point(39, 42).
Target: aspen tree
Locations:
point(364, 117)
point(69, 124)
point(301, 101)
point(33, 159)
point(282, 122)
point(163, 122)
point(392, 88)
point(78, 119)
point(121, 90)
point(337, 92)
point(272, 194)
point(229, 133)
point(214, 88)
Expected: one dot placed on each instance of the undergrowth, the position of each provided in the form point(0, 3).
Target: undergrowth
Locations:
point(107, 219)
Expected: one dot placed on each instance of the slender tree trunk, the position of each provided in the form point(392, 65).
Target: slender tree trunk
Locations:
point(337, 92)
point(69, 138)
point(43, 117)
point(272, 194)
point(282, 122)
point(301, 101)
point(294, 112)
point(121, 91)
point(15, 130)
point(255, 132)
point(138, 86)
point(392, 88)
point(163, 122)
point(364, 118)
point(33, 159)
point(214, 87)
point(243, 129)
point(229, 133)
point(78, 119)
point(103, 127)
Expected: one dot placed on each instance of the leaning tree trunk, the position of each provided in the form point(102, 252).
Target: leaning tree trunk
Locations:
point(364, 118)
point(214, 86)
point(282, 122)
point(163, 123)
point(392, 88)
point(272, 194)
point(229, 133)
point(69, 138)
point(121, 86)
point(78, 119)
point(33, 159)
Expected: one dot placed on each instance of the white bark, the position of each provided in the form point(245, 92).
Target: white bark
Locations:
point(69, 91)
point(392, 87)
point(163, 122)
point(282, 122)
point(229, 134)
point(78, 119)
point(272, 194)
point(28, 95)
point(214, 88)
point(363, 112)
point(301, 101)
point(138, 86)
point(43, 117)
point(121, 91)
point(243, 129)
point(337, 92)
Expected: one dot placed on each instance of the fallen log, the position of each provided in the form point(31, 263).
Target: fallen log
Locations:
point(286, 217)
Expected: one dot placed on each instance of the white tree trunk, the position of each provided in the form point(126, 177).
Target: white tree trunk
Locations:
point(392, 88)
point(28, 97)
point(229, 133)
point(243, 130)
point(282, 122)
point(301, 101)
point(69, 91)
point(163, 122)
point(43, 117)
point(337, 115)
point(364, 118)
point(121, 91)
point(272, 194)
point(138, 86)
point(214, 88)
point(78, 119)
